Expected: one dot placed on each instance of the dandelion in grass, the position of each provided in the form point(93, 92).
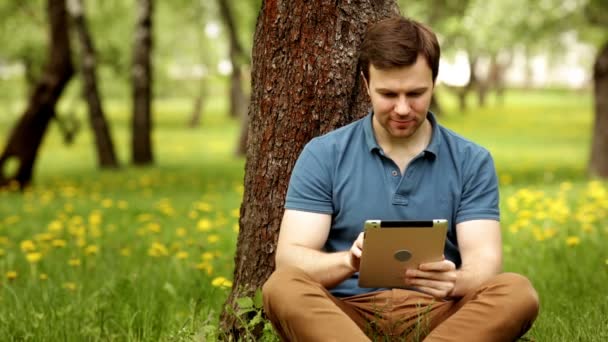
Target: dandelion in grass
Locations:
point(122, 205)
point(55, 226)
point(192, 214)
point(153, 227)
point(181, 232)
point(3, 240)
point(205, 267)
point(157, 249)
point(181, 255)
point(125, 252)
point(207, 256)
point(107, 203)
point(43, 276)
point(203, 225)
point(236, 228)
point(221, 282)
point(213, 238)
point(91, 250)
point(95, 218)
point(33, 257)
point(2, 253)
point(58, 243)
point(70, 286)
point(144, 217)
point(573, 241)
point(74, 262)
point(11, 275)
point(204, 206)
point(28, 246)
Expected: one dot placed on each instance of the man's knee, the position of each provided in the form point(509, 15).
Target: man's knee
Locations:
point(281, 288)
point(523, 298)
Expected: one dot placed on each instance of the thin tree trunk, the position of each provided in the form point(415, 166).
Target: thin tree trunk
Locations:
point(142, 85)
point(237, 94)
point(197, 108)
point(305, 82)
point(27, 135)
point(106, 157)
point(599, 148)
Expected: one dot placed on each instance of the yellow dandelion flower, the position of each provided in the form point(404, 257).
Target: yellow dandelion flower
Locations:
point(192, 214)
point(11, 275)
point(203, 225)
point(95, 218)
point(207, 256)
point(125, 252)
point(203, 266)
point(107, 203)
point(91, 250)
point(3, 240)
point(181, 232)
point(70, 286)
point(144, 217)
point(203, 206)
point(55, 226)
point(153, 227)
point(235, 228)
point(74, 262)
point(43, 276)
point(44, 237)
point(33, 257)
point(28, 246)
point(58, 243)
point(158, 249)
point(573, 240)
point(236, 213)
point(2, 253)
point(213, 238)
point(181, 255)
point(81, 242)
point(221, 282)
point(122, 204)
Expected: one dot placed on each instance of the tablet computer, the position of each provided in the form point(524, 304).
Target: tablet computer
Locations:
point(391, 247)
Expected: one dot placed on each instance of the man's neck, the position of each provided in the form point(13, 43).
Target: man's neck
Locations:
point(410, 146)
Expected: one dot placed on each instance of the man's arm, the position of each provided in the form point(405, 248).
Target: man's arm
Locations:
point(480, 245)
point(301, 239)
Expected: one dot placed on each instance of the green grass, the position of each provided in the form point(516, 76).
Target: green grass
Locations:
point(143, 246)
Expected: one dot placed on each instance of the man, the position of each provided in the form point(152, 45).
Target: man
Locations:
point(397, 163)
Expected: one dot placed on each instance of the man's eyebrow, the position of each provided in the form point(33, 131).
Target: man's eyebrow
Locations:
point(415, 90)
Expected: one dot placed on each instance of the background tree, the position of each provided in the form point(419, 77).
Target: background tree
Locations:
point(106, 156)
point(142, 85)
point(305, 82)
point(27, 135)
point(597, 13)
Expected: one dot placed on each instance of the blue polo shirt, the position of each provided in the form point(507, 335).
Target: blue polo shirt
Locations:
point(346, 174)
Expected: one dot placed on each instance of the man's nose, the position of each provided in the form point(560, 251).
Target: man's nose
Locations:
point(402, 107)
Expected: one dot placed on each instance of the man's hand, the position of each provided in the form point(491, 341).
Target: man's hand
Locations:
point(354, 254)
point(435, 278)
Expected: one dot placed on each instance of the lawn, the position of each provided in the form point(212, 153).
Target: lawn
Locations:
point(147, 253)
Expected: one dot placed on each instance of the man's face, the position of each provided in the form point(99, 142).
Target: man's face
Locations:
point(400, 98)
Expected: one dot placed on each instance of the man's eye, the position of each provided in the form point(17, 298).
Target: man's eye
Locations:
point(389, 94)
point(417, 94)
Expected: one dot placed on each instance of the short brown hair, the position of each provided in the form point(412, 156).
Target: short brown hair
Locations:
point(397, 42)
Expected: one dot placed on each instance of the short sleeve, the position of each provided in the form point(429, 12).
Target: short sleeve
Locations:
point(310, 185)
point(480, 198)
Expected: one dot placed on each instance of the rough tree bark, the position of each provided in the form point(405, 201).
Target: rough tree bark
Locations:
point(598, 165)
point(26, 136)
point(306, 82)
point(141, 148)
point(106, 157)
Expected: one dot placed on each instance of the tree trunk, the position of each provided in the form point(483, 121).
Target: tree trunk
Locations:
point(464, 91)
point(305, 82)
point(106, 157)
point(142, 85)
point(27, 135)
point(238, 98)
point(599, 148)
point(197, 108)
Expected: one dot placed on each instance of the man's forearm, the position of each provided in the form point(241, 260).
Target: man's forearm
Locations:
point(470, 278)
point(329, 269)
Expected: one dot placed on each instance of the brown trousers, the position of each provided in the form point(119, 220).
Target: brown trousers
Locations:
point(501, 309)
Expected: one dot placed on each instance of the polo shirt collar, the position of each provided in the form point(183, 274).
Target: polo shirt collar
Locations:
point(432, 148)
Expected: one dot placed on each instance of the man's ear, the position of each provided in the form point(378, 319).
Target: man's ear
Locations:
point(366, 84)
